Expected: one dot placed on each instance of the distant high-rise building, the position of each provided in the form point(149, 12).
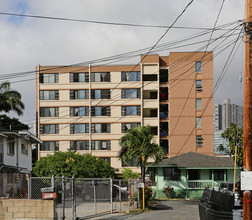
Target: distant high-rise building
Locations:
point(224, 115)
point(217, 117)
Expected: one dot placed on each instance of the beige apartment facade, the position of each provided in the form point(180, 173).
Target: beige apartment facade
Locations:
point(89, 108)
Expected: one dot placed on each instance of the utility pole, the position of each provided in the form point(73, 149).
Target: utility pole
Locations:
point(247, 122)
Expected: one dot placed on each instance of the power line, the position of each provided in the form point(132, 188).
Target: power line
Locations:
point(127, 100)
point(214, 90)
point(119, 57)
point(98, 22)
point(172, 64)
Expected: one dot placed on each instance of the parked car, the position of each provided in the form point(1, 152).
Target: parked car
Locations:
point(227, 187)
point(116, 193)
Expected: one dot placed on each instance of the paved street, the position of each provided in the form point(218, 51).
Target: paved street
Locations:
point(172, 210)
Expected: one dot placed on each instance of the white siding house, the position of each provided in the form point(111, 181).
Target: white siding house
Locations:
point(16, 151)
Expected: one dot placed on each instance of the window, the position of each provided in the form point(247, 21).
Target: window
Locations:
point(107, 159)
point(219, 175)
point(79, 111)
point(127, 126)
point(49, 129)
point(24, 149)
point(198, 66)
point(130, 110)
point(100, 128)
point(11, 146)
point(198, 103)
point(49, 146)
point(48, 78)
point(199, 140)
point(49, 112)
point(198, 85)
point(171, 173)
point(100, 111)
point(198, 122)
point(49, 95)
point(100, 77)
point(79, 94)
point(133, 163)
point(194, 174)
point(101, 145)
point(130, 93)
point(79, 77)
point(79, 128)
point(79, 145)
point(100, 94)
point(130, 76)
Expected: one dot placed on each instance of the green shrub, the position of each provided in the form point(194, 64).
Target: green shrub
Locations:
point(169, 192)
point(181, 194)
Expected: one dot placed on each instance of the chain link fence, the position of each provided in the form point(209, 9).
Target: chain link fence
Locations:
point(75, 197)
point(14, 185)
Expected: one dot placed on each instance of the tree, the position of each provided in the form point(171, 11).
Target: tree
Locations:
point(137, 144)
point(70, 164)
point(10, 100)
point(12, 123)
point(234, 136)
point(128, 173)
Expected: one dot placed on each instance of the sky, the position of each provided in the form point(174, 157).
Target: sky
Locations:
point(26, 42)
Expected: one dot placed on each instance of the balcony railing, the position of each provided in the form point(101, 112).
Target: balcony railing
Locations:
point(201, 184)
point(164, 132)
point(164, 114)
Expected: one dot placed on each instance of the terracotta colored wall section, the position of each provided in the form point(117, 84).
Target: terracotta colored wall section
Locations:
point(182, 101)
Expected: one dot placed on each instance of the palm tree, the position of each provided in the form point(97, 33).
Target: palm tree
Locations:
point(10, 100)
point(138, 144)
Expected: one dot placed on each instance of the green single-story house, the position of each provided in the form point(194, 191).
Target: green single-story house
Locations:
point(188, 174)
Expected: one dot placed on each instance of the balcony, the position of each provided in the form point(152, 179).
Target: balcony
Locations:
point(148, 112)
point(164, 129)
point(150, 94)
point(164, 94)
point(164, 113)
point(165, 145)
point(163, 76)
point(154, 130)
point(150, 77)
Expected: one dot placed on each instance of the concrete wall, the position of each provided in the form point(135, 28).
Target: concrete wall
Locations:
point(27, 209)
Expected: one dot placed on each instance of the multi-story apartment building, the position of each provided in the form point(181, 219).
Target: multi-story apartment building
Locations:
point(89, 108)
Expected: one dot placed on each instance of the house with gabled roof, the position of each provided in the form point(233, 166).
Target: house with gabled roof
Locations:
point(188, 174)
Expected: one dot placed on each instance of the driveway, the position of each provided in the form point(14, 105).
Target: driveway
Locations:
point(172, 210)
